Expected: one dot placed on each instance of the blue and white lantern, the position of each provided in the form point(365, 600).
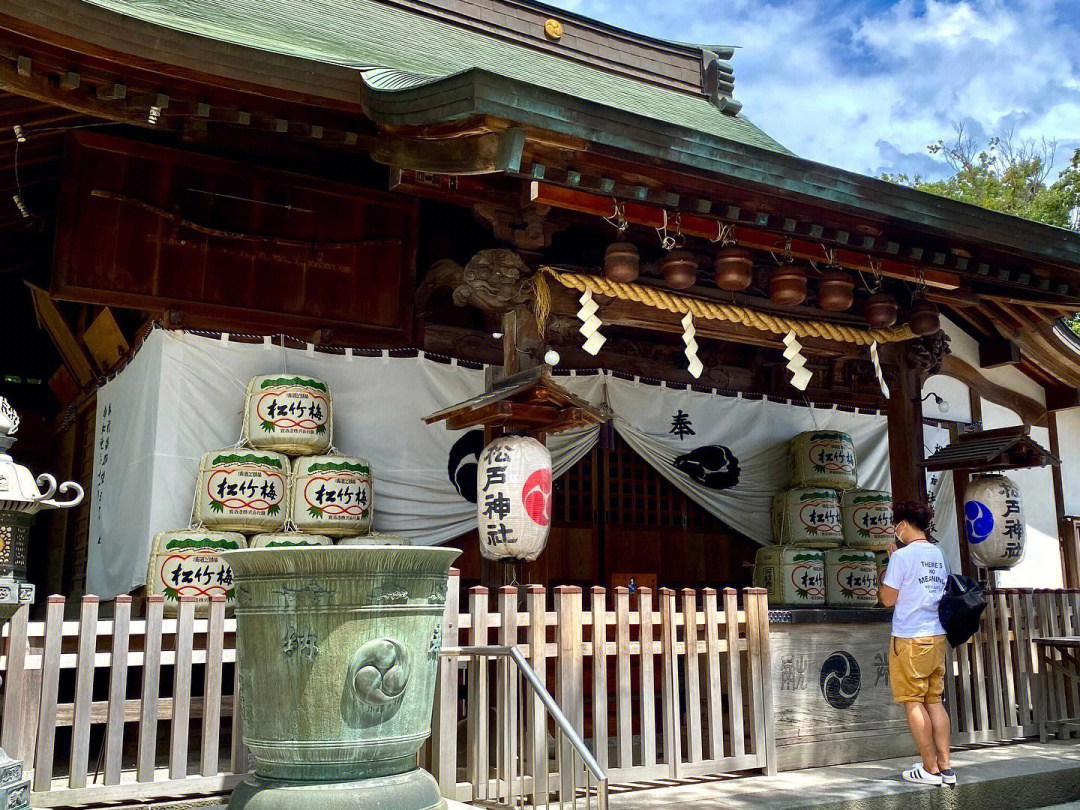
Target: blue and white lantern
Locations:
point(994, 521)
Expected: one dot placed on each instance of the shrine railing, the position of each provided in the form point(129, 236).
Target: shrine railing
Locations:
point(992, 681)
point(121, 708)
point(701, 657)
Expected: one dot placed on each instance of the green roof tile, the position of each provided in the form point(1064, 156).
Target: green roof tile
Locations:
point(366, 34)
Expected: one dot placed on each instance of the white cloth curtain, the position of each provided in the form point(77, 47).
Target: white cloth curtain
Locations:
point(183, 394)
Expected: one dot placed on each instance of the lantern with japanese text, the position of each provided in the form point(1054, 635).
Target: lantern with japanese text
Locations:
point(807, 517)
point(289, 414)
point(185, 562)
point(994, 521)
point(868, 522)
point(331, 495)
point(791, 575)
point(823, 458)
point(242, 490)
point(851, 578)
point(513, 500)
point(289, 540)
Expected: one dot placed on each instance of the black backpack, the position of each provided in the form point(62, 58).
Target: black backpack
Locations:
point(961, 608)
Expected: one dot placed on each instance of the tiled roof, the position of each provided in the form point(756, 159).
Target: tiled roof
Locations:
point(368, 34)
point(1008, 448)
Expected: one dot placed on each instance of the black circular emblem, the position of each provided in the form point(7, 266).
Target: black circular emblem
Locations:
point(712, 466)
point(840, 680)
point(462, 465)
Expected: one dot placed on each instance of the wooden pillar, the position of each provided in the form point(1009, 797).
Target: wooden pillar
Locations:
point(906, 431)
point(1067, 533)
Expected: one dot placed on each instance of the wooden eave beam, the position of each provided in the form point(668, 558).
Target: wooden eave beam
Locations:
point(1031, 411)
point(708, 228)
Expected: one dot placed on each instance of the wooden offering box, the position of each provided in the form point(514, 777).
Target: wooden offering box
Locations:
point(830, 682)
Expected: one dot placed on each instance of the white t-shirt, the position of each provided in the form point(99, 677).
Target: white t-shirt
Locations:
point(918, 572)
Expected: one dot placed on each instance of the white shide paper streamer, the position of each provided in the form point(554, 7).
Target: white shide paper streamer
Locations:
point(689, 331)
point(800, 377)
point(590, 324)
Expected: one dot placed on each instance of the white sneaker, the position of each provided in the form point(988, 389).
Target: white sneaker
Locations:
point(947, 777)
point(918, 775)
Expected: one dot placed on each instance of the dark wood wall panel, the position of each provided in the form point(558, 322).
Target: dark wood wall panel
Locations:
point(164, 229)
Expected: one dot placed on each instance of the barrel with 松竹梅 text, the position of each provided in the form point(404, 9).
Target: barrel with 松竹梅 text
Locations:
point(288, 413)
point(807, 517)
point(823, 458)
point(186, 562)
point(793, 576)
point(868, 521)
point(331, 495)
point(242, 490)
point(289, 540)
point(851, 578)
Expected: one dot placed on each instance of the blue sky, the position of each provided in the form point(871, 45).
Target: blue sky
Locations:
point(866, 85)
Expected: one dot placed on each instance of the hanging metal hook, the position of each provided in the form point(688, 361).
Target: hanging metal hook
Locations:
point(617, 218)
point(725, 234)
point(666, 242)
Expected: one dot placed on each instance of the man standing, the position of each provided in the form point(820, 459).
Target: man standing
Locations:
point(913, 586)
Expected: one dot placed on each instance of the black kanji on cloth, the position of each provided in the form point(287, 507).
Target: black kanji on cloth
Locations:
point(681, 425)
point(712, 466)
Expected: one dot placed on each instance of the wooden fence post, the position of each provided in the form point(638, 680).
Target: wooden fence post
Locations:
point(118, 660)
point(507, 708)
point(50, 683)
point(568, 606)
point(712, 674)
point(476, 722)
point(669, 683)
point(537, 736)
point(734, 671)
point(623, 688)
point(444, 716)
point(84, 692)
point(693, 674)
point(647, 695)
point(148, 707)
point(211, 721)
point(600, 676)
point(15, 734)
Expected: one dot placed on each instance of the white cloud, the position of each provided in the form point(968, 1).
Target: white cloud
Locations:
point(867, 85)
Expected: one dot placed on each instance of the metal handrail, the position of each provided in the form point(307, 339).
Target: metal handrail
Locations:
point(540, 691)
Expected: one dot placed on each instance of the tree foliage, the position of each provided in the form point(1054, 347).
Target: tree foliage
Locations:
point(1008, 175)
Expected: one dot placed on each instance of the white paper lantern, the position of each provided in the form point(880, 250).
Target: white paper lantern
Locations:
point(288, 413)
point(513, 502)
point(242, 490)
point(994, 521)
point(331, 495)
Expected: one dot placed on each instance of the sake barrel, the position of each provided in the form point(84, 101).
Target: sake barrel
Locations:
point(882, 559)
point(807, 516)
point(331, 495)
point(851, 578)
point(376, 539)
point(289, 540)
point(242, 490)
point(185, 562)
point(867, 515)
point(288, 413)
point(822, 458)
point(792, 576)
point(994, 521)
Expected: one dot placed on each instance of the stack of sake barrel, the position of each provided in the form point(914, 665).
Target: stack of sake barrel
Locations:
point(281, 487)
point(829, 533)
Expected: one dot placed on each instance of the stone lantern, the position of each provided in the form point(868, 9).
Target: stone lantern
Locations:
point(21, 498)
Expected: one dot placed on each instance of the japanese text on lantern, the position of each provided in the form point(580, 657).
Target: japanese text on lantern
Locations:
point(496, 506)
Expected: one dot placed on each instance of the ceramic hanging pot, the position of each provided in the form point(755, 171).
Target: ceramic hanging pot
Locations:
point(621, 262)
point(924, 318)
point(836, 291)
point(880, 311)
point(734, 268)
point(787, 285)
point(680, 269)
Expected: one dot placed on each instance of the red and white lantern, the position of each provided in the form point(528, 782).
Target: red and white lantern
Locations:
point(513, 489)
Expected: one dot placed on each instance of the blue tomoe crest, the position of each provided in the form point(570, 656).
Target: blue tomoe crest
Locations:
point(979, 520)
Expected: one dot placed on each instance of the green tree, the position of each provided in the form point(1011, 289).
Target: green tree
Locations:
point(1007, 175)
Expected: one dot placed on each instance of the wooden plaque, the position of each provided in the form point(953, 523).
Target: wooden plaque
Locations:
point(224, 245)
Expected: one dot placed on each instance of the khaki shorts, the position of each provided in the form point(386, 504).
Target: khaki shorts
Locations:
point(917, 669)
